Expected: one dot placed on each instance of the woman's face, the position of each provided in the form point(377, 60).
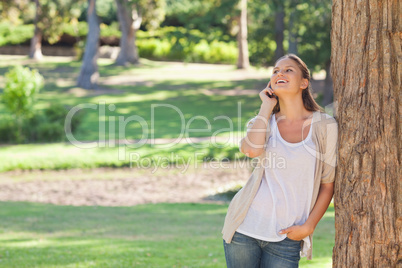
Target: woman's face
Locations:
point(287, 78)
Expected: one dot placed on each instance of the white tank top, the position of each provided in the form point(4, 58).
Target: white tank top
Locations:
point(284, 196)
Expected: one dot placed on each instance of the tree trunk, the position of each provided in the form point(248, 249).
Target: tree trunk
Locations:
point(89, 75)
point(328, 88)
point(367, 71)
point(243, 59)
point(130, 21)
point(292, 33)
point(279, 28)
point(35, 50)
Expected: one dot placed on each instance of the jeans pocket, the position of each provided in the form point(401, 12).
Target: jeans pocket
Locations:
point(291, 240)
point(241, 239)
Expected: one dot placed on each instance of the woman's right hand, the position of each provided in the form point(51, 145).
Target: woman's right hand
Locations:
point(264, 97)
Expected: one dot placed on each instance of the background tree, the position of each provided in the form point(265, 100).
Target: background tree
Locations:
point(279, 28)
point(131, 14)
point(261, 35)
point(35, 50)
point(243, 59)
point(204, 15)
point(226, 16)
point(313, 26)
point(294, 17)
point(366, 69)
point(12, 10)
point(89, 75)
point(50, 16)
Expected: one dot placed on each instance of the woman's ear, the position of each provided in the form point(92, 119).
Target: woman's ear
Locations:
point(304, 84)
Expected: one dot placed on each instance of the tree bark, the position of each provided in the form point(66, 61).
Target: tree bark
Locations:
point(89, 75)
point(328, 88)
point(243, 59)
point(366, 69)
point(279, 28)
point(130, 21)
point(35, 50)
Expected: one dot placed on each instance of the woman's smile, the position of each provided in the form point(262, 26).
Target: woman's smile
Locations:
point(281, 81)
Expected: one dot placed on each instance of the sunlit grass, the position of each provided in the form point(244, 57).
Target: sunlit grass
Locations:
point(165, 97)
point(58, 156)
point(161, 235)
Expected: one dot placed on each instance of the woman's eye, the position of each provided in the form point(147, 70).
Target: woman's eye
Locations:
point(288, 70)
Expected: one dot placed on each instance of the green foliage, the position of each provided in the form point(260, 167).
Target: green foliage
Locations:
point(153, 12)
point(19, 34)
point(10, 11)
point(39, 126)
point(106, 11)
point(11, 34)
point(76, 29)
point(8, 129)
point(214, 19)
point(261, 37)
point(200, 14)
point(314, 28)
point(22, 85)
point(52, 127)
point(111, 30)
point(52, 15)
point(177, 43)
point(24, 124)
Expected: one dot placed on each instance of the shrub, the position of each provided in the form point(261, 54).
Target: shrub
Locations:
point(167, 43)
point(50, 132)
point(40, 126)
point(111, 30)
point(13, 35)
point(79, 29)
point(22, 86)
point(176, 43)
point(8, 129)
point(23, 123)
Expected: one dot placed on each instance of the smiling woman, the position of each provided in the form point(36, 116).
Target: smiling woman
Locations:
point(291, 69)
point(271, 220)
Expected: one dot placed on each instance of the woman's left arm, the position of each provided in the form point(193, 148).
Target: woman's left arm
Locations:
point(298, 232)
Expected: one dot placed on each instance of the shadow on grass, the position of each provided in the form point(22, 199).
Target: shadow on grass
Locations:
point(159, 235)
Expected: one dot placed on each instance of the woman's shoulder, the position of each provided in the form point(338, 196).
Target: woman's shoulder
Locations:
point(325, 125)
point(322, 118)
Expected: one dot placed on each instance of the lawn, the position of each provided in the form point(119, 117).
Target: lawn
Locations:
point(170, 99)
point(151, 101)
point(164, 95)
point(57, 156)
point(153, 235)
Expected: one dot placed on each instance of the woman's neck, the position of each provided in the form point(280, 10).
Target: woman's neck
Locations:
point(293, 110)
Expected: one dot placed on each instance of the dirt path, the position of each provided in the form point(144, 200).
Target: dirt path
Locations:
point(123, 187)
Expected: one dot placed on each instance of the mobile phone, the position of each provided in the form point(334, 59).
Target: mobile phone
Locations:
point(269, 95)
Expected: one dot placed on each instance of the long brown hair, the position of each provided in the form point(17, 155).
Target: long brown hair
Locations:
point(308, 101)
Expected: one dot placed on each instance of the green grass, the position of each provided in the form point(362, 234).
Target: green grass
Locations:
point(58, 156)
point(181, 91)
point(159, 235)
point(154, 235)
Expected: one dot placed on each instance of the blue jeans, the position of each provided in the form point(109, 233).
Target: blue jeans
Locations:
point(248, 252)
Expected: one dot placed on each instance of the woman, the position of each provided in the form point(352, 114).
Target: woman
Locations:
point(271, 220)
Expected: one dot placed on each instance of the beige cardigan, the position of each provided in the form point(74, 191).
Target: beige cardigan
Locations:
point(324, 136)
